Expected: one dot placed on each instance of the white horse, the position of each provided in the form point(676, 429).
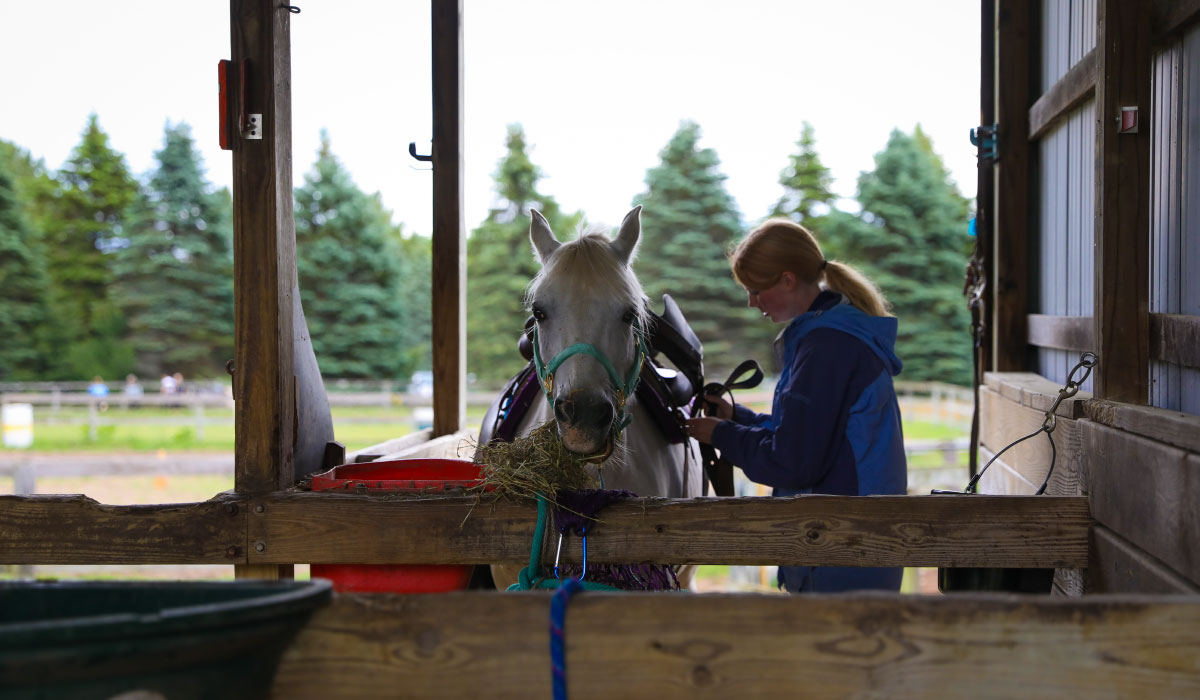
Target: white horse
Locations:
point(589, 310)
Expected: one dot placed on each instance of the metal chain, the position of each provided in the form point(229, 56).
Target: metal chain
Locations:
point(1086, 362)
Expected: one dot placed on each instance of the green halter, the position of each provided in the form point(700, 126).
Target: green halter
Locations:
point(624, 388)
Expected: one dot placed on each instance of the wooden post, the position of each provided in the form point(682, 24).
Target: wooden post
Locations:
point(264, 241)
point(1121, 317)
point(1010, 290)
point(449, 238)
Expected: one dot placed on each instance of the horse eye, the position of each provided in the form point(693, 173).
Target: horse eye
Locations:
point(538, 314)
point(628, 317)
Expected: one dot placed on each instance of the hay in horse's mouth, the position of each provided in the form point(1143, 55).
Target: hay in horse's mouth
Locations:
point(533, 464)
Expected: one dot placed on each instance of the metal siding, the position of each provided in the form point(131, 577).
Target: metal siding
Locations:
point(1189, 212)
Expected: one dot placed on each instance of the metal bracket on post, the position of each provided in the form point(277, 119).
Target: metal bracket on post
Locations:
point(987, 140)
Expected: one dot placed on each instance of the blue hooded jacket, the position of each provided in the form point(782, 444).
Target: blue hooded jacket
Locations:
point(834, 426)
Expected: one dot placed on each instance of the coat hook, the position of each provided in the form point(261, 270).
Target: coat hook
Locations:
point(412, 151)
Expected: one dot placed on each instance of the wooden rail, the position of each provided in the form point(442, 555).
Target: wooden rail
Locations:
point(298, 527)
point(655, 645)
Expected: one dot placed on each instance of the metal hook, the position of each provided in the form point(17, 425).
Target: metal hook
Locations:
point(583, 534)
point(556, 555)
point(412, 151)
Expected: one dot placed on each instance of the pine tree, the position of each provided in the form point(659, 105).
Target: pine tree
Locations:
point(174, 268)
point(500, 262)
point(689, 222)
point(350, 276)
point(93, 200)
point(911, 239)
point(415, 261)
point(23, 279)
point(805, 182)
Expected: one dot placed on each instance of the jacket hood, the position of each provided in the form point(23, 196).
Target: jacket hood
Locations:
point(878, 332)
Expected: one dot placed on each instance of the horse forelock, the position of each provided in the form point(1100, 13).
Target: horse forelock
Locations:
point(587, 266)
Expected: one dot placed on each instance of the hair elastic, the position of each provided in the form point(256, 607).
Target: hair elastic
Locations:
point(824, 263)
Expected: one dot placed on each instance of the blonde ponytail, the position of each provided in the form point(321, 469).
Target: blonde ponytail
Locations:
point(781, 245)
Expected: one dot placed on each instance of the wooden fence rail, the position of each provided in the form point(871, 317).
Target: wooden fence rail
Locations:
point(301, 527)
point(654, 645)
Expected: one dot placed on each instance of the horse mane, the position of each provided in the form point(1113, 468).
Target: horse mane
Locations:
point(587, 265)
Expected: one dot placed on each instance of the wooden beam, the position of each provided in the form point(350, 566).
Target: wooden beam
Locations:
point(1146, 492)
point(1123, 77)
point(1071, 90)
point(78, 530)
point(811, 530)
point(1117, 566)
point(1171, 16)
point(663, 645)
point(1062, 332)
point(264, 242)
point(331, 528)
point(1014, 89)
point(1175, 339)
point(449, 235)
point(1159, 424)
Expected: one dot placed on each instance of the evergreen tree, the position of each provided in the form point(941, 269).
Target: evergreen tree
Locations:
point(94, 196)
point(23, 279)
point(415, 262)
point(33, 184)
point(806, 183)
point(500, 262)
point(350, 275)
point(689, 222)
point(911, 239)
point(174, 267)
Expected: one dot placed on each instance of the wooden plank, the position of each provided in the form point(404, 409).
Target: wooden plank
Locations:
point(1175, 338)
point(449, 234)
point(1122, 203)
point(1003, 422)
point(1171, 16)
point(985, 191)
point(654, 645)
point(1061, 332)
point(1117, 566)
point(1146, 492)
point(459, 445)
point(264, 241)
point(78, 530)
point(807, 530)
point(1163, 425)
point(1035, 391)
point(1014, 46)
point(1072, 90)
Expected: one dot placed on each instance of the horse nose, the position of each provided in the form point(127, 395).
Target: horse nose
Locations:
point(594, 413)
point(564, 411)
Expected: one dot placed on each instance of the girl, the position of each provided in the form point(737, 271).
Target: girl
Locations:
point(834, 426)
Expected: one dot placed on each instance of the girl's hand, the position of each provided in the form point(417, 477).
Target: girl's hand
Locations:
point(715, 405)
point(702, 428)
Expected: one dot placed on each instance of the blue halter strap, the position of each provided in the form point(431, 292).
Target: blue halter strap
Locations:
point(625, 388)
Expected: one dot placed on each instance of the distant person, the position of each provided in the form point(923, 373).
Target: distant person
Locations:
point(132, 391)
point(834, 426)
point(178, 377)
point(98, 389)
point(167, 385)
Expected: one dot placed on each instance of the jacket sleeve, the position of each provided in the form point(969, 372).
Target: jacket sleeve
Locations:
point(812, 417)
point(745, 416)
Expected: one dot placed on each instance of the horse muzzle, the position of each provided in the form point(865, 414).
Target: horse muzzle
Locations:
point(585, 421)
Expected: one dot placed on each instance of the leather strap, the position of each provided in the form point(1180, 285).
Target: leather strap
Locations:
point(717, 469)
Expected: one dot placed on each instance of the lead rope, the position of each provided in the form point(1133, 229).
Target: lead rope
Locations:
point(1086, 362)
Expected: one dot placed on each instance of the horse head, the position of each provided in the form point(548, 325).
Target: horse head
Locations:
point(588, 340)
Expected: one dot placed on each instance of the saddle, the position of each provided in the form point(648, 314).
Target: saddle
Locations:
point(668, 393)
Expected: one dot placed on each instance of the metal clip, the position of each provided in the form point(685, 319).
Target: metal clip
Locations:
point(557, 554)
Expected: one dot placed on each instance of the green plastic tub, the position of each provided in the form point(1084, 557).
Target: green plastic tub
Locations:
point(183, 640)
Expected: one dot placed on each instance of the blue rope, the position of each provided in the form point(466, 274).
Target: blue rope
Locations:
point(558, 615)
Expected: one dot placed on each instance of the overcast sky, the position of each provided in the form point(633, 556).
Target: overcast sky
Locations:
point(599, 87)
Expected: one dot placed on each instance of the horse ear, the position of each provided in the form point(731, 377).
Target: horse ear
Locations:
point(544, 242)
point(627, 237)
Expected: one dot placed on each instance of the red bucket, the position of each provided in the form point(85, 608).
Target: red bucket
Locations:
point(407, 476)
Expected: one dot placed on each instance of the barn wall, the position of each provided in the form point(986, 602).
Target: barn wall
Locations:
point(1066, 173)
point(1137, 465)
point(1175, 208)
